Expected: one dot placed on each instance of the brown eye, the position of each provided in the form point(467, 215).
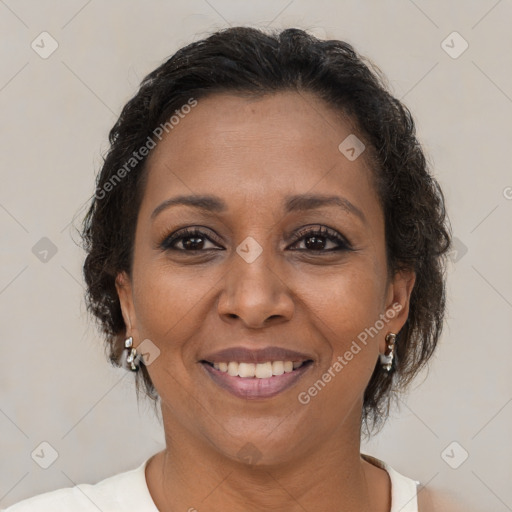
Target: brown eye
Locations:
point(316, 240)
point(190, 240)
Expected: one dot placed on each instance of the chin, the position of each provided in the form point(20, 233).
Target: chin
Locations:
point(260, 446)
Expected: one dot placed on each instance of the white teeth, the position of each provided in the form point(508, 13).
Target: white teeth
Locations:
point(246, 369)
point(232, 369)
point(259, 370)
point(277, 368)
point(263, 371)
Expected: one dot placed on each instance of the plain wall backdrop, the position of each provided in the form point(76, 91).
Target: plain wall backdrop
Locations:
point(452, 431)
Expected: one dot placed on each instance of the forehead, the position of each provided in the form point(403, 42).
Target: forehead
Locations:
point(283, 143)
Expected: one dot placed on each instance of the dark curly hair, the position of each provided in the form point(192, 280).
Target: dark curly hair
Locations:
point(243, 60)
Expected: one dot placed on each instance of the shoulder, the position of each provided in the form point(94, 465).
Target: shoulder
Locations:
point(408, 494)
point(59, 500)
point(433, 500)
point(118, 492)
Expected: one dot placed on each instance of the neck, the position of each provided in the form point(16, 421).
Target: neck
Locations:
point(191, 475)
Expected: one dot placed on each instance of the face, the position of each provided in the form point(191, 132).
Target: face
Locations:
point(263, 271)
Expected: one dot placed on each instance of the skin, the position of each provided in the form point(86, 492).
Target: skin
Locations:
point(253, 153)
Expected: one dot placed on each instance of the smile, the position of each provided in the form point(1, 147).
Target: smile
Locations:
point(256, 380)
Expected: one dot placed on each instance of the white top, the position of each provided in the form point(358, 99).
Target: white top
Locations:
point(128, 492)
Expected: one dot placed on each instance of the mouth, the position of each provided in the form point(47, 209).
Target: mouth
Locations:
point(256, 380)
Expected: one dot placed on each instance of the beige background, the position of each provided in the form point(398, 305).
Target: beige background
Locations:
point(55, 384)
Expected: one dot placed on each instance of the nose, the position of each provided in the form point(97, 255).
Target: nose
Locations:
point(255, 294)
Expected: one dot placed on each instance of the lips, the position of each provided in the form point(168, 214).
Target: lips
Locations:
point(249, 382)
point(262, 355)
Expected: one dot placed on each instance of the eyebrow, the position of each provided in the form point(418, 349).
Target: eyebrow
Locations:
point(302, 202)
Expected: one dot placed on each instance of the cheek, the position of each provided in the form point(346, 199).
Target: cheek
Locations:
point(169, 301)
point(347, 306)
point(347, 301)
point(346, 310)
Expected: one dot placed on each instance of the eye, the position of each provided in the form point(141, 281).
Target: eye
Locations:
point(191, 239)
point(316, 240)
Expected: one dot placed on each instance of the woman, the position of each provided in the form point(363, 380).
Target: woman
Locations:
point(266, 249)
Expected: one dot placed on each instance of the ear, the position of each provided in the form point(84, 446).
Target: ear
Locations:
point(125, 294)
point(397, 302)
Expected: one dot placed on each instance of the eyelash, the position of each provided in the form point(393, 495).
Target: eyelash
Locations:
point(323, 232)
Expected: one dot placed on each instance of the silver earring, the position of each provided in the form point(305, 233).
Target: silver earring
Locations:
point(132, 354)
point(386, 359)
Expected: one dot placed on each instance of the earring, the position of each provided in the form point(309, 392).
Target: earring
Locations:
point(386, 359)
point(132, 354)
